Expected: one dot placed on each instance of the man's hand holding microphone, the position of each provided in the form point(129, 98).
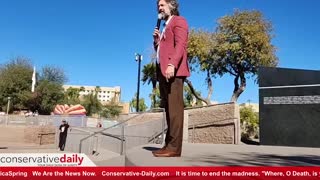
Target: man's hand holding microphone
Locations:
point(156, 39)
point(156, 32)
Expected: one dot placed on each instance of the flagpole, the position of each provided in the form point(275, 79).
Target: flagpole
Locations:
point(33, 79)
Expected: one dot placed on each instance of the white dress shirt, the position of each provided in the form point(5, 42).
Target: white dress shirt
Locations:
point(161, 36)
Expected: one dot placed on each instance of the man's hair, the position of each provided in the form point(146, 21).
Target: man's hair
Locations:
point(173, 5)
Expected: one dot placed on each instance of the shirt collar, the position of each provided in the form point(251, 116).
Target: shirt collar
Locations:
point(167, 22)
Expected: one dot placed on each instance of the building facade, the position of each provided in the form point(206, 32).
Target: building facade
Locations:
point(254, 106)
point(105, 94)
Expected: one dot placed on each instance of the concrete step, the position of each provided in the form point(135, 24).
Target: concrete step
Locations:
point(104, 157)
point(116, 161)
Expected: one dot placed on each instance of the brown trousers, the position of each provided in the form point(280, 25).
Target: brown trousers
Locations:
point(171, 94)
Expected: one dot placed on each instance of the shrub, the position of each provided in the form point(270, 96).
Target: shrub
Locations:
point(249, 123)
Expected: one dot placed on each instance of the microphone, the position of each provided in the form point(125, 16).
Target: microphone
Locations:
point(160, 16)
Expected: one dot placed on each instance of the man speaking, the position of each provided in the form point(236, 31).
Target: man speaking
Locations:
point(172, 69)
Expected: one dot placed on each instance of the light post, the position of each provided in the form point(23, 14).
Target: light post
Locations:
point(8, 105)
point(139, 59)
point(8, 110)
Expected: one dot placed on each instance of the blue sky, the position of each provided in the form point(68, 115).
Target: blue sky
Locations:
point(95, 41)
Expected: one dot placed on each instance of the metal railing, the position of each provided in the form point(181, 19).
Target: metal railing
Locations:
point(122, 136)
point(156, 135)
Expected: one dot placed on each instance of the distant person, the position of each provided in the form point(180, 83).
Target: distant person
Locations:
point(63, 134)
point(172, 69)
point(99, 125)
point(28, 113)
point(36, 113)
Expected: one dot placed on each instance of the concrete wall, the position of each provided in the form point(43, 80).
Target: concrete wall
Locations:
point(11, 135)
point(42, 120)
point(217, 124)
point(40, 134)
point(26, 134)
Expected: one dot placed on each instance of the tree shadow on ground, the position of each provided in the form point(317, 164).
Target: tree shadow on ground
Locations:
point(257, 159)
point(250, 141)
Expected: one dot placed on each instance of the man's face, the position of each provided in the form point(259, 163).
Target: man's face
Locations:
point(163, 8)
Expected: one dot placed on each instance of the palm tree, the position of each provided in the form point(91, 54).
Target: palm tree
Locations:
point(72, 96)
point(155, 98)
point(142, 105)
point(82, 89)
point(149, 75)
point(91, 102)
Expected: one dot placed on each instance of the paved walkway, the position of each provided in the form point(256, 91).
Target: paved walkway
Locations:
point(12, 141)
point(28, 148)
point(227, 155)
point(195, 155)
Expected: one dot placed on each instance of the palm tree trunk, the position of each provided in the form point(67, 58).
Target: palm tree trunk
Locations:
point(154, 89)
point(154, 97)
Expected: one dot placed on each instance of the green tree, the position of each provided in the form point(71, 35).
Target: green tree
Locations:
point(47, 95)
point(71, 96)
point(249, 122)
point(155, 98)
point(111, 110)
point(15, 82)
point(142, 104)
point(91, 102)
point(189, 98)
point(53, 74)
point(243, 44)
point(201, 58)
point(48, 91)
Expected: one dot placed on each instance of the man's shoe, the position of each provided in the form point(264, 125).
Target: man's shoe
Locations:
point(166, 153)
point(160, 150)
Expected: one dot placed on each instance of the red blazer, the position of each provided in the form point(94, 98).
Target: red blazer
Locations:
point(173, 47)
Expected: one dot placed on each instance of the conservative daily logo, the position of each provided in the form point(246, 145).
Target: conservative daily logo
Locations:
point(40, 159)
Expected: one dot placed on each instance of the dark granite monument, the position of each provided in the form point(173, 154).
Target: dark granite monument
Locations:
point(289, 107)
